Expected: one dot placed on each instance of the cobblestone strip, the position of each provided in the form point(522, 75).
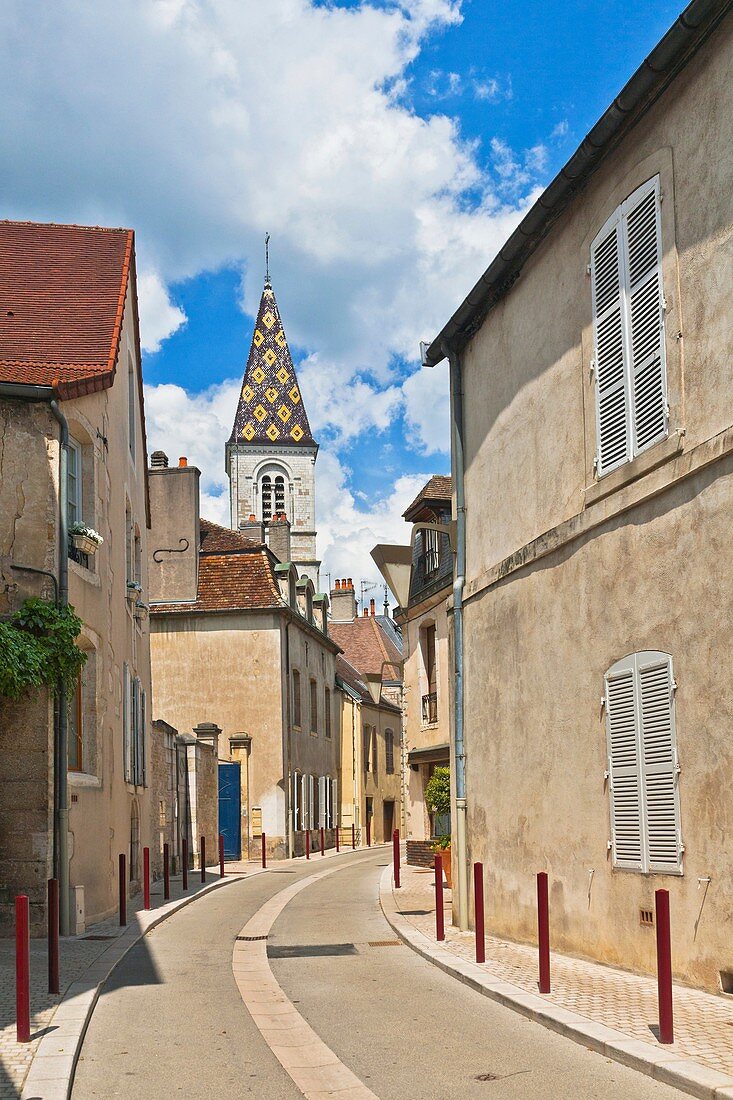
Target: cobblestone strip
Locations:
point(510, 977)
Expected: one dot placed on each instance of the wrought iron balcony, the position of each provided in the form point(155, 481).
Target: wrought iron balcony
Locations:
point(430, 707)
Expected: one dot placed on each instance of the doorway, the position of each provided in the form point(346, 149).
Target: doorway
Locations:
point(230, 809)
point(388, 818)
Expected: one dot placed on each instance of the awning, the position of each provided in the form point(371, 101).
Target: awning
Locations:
point(431, 754)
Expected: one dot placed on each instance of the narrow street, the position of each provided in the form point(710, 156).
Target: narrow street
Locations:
point(172, 1020)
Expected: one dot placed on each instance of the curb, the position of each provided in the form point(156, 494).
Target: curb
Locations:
point(51, 1072)
point(671, 1069)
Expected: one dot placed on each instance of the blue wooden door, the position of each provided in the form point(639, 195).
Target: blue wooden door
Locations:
point(230, 809)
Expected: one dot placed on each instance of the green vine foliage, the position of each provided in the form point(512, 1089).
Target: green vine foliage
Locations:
point(38, 648)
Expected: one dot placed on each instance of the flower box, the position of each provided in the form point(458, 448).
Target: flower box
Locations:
point(84, 543)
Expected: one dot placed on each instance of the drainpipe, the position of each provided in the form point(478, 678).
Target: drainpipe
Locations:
point(39, 394)
point(459, 580)
point(289, 831)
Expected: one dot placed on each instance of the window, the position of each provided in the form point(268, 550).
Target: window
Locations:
point(75, 728)
point(430, 698)
point(137, 556)
point(431, 552)
point(129, 545)
point(279, 493)
point(327, 711)
point(628, 330)
point(314, 707)
point(642, 764)
point(389, 751)
point(322, 802)
point(273, 492)
point(366, 744)
point(297, 717)
point(73, 482)
point(303, 804)
point(134, 720)
point(315, 791)
point(311, 801)
point(374, 749)
point(296, 805)
point(131, 403)
point(266, 497)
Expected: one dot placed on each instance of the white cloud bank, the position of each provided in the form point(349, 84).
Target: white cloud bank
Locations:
point(204, 125)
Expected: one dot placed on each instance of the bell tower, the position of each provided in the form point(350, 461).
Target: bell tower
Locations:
point(271, 453)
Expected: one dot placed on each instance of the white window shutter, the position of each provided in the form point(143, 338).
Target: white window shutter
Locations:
point(311, 801)
point(624, 771)
point(126, 721)
point(612, 411)
point(645, 314)
point(334, 804)
point(143, 724)
point(322, 800)
point(659, 762)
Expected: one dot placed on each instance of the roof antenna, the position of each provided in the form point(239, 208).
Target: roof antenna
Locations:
point(267, 259)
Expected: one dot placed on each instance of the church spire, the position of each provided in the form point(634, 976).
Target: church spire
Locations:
point(271, 409)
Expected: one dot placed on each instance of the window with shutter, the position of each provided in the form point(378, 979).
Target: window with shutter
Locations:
point(643, 768)
point(126, 721)
point(322, 808)
point(628, 330)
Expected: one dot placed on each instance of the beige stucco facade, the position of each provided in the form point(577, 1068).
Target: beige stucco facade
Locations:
point(107, 814)
point(370, 793)
point(587, 571)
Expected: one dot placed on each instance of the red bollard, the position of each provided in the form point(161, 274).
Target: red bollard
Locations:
point(543, 931)
point(307, 843)
point(664, 966)
point(146, 878)
point(396, 855)
point(353, 836)
point(264, 850)
point(478, 904)
point(166, 872)
point(221, 855)
point(203, 858)
point(53, 936)
point(323, 841)
point(369, 832)
point(184, 863)
point(22, 969)
point(122, 877)
point(439, 911)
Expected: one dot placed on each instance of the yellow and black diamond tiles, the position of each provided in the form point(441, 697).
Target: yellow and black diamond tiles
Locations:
point(270, 407)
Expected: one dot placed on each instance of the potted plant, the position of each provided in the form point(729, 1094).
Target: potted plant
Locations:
point(85, 538)
point(437, 797)
point(133, 590)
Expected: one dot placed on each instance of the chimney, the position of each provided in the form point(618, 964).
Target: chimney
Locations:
point(372, 610)
point(173, 540)
point(182, 462)
point(252, 528)
point(209, 732)
point(365, 613)
point(343, 602)
point(278, 536)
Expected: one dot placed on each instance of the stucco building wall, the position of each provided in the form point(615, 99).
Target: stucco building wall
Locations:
point(586, 571)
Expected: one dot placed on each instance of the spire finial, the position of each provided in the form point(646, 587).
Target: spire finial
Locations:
point(267, 259)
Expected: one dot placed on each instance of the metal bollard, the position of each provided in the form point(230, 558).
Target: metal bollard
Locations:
point(122, 878)
point(307, 843)
point(166, 872)
point(53, 936)
point(543, 931)
point(369, 832)
point(478, 904)
point(353, 836)
point(184, 863)
point(664, 966)
point(221, 855)
point(203, 858)
point(396, 857)
point(264, 850)
point(22, 970)
point(323, 841)
point(439, 911)
point(146, 878)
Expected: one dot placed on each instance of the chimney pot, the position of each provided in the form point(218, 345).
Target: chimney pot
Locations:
point(365, 613)
point(182, 461)
point(338, 586)
point(252, 518)
point(350, 584)
point(371, 607)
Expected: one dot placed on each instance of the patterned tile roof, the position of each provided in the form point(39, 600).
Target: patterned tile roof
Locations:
point(367, 647)
point(235, 574)
point(271, 409)
point(62, 296)
point(439, 488)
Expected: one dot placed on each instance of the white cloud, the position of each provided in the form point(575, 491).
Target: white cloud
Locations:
point(159, 317)
point(427, 409)
point(560, 130)
point(344, 408)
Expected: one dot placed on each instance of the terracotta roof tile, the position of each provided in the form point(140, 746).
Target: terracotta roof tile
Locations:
point(367, 647)
point(439, 488)
point(221, 540)
point(62, 297)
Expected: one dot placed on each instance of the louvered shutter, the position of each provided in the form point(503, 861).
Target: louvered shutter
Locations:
point(126, 721)
point(296, 800)
point(322, 807)
point(142, 756)
point(311, 793)
point(303, 802)
point(334, 804)
point(645, 315)
point(623, 766)
point(135, 739)
point(612, 411)
point(659, 762)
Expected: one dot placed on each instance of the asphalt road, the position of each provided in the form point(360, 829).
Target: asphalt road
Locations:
point(171, 1020)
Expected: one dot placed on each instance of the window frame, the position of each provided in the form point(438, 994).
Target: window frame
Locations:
point(327, 712)
point(297, 699)
point(78, 709)
point(74, 448)
point(314, 707)
point(389, 751)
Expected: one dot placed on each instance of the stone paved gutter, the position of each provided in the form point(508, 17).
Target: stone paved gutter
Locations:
point(662, 1063)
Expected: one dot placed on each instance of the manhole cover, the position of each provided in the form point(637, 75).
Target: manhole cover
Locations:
point(384, 943)
point(251, 939)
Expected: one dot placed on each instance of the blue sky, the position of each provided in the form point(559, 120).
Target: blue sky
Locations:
point(389, 150)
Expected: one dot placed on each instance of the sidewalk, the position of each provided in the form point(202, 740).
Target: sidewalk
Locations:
point(603, 1008)
point(58, 1021)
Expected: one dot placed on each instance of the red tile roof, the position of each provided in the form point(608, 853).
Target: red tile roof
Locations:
point(367, 647)
point(439, 488)
point(62, 297)
point(222, 540)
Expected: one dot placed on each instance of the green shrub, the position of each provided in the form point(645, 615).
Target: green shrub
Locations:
point(38, 647)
